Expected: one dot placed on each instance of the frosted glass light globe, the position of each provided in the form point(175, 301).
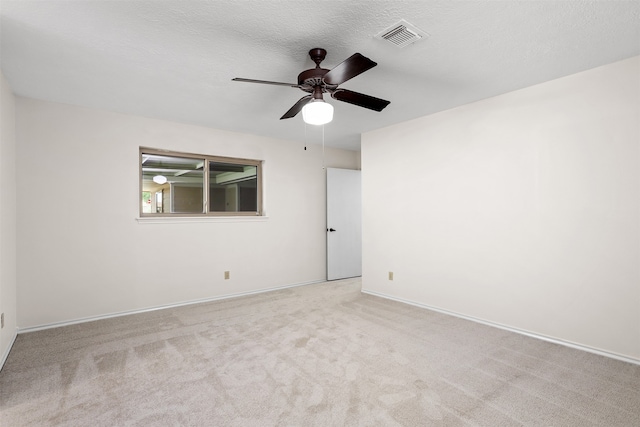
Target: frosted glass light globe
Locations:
point(317, 112)
point(159, 179)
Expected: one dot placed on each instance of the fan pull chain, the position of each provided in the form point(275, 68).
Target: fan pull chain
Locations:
point(305, 136)
point(322, 147)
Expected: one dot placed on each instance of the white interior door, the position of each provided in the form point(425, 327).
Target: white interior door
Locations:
point(344, 223)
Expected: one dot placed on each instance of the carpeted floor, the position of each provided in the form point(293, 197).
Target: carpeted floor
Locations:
point(317, 355)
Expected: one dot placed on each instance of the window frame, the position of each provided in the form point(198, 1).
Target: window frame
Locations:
point(207, 159)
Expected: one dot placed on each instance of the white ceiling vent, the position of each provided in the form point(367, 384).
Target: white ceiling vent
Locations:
point(402, 34)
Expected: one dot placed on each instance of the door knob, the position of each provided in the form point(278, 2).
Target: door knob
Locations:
point(331, 229)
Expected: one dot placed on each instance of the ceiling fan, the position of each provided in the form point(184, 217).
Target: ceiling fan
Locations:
point(317, 81)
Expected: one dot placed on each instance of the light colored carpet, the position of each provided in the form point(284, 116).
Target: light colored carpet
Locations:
point(317, 355)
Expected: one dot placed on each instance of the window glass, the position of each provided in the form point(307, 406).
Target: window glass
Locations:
point(177, 182)
point(233, 187)
point(178, 179)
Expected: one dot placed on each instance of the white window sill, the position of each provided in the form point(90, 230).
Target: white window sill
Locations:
point(194, 219)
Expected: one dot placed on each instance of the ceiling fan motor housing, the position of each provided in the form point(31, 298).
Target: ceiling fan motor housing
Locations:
point(312, 78)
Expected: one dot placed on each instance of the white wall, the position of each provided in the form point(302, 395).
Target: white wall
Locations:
point(521, 210)
point(7, 218)
point(81, 252)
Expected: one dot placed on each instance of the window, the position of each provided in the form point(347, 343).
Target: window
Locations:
point(233, 186)
point(146, 201)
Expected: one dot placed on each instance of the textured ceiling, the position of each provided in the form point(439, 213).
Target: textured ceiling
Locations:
point(175, 59)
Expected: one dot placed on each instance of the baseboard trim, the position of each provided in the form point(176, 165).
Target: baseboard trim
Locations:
point(159, 307)
point(511, 329)
point(8, 350)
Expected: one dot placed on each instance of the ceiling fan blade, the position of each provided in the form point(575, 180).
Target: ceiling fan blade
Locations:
point(360, 99)
point(297, 107)
point(348, 69)
point(264, 82)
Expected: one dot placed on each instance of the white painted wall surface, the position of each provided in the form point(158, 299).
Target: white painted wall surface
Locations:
point(7, 217)
point(521, 210)
point(81, 252)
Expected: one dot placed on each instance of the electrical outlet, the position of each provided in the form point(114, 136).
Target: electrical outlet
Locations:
point(2, 320)
point(226, 275)
point(391, 275)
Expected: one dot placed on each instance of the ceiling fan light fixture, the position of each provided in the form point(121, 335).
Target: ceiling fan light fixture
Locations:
point(317, 112)
point(318, 81)
point(160, 179)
